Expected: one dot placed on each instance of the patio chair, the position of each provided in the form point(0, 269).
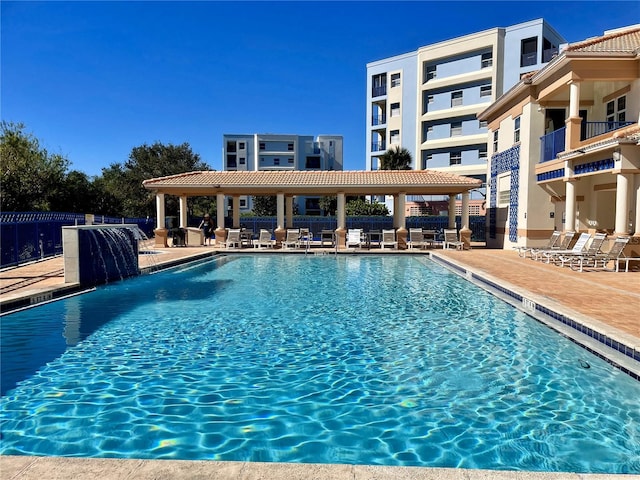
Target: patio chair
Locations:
point(388, 239)
point(292, 239)
point(416, 239)
point(264, 240)
point(451, 239)
point(601, 260)
point(593, 250)
point(233, 238)
point(554, 242)
point(553, 255)
point(354, 237)
point(564, 245)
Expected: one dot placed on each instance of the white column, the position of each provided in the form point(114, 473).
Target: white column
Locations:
point(465, 210)
point(622, 206)
point(340, 211)
point(402, 215)
point(236, 211)
point(220, 210)
point(452, 211)
point(280, 210)
point(183, 211)
point(160, 215)
point(570, 206)
point(289, 210)
point(395, 211)
point(574, 99)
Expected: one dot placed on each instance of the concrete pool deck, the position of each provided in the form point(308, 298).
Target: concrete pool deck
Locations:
point(609, 301)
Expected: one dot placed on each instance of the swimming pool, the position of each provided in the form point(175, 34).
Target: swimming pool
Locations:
point(331, 359)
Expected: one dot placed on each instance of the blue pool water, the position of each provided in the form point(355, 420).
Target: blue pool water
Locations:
point(349, 359)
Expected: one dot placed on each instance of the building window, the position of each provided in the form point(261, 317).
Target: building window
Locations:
point(290, 147)
point(242, 161)
point(456, 98)
point(231, 161)
point(516, 130)
point(504, 190)
point(243, 203)
point(395, 136)
point(485, 91)
point(529, 52)
point(482, 124)
point(276, 161)
point(430, 72)
point(241, 145)
point(312, 162)
point(455, 158)
point(616, 109)
point(456, 129)
point(482, 154)
point(290, 160)
point(487, 60)
point(395, 109)
point(395, 80)
point(263, 146)
point(379, 85)
point(231, 147)
point(495, 141)
point(430, 99)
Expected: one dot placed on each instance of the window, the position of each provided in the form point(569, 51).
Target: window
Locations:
point(482, 124)
point(395, 80)
point(429, 99)
point(485, 91)
point(242, 161)
point(504, 190)
point(241, 145)
point(231, 147)
point(231, 161)
point(529, 52)
point(290, 147)
point(379, 85)
point(487, 60)
point(495, 141)
point(395, 136)
point(516, 130)
point(263, 146)
point(455, 158)
point(243, 203)
point(395, 109)
point(456, 98)
point(312, 162)
point(456, 129)
point(290, 160)
point(616, 109)
point(482, 154)
point(430, 72)
point(276, 161)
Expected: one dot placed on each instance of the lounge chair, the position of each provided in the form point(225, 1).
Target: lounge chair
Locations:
point(292, 239)
point(233, 238)
point(416, 239)
point(550, 256)
point(564, 245)
point(601, 260)
point(264, 240)
point(554, 242)
point(389, 239)
point(451, 239)
point(354, 238)
point(593, 250)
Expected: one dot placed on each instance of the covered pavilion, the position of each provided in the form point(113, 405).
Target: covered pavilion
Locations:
point(289, 183)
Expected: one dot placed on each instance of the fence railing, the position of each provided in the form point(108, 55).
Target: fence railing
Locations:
point(551, 144)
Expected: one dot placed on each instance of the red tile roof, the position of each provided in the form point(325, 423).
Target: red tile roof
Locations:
point(626, 41)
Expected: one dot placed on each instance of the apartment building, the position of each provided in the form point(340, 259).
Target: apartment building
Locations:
point(427, 100)
point(254, 152)
point(565, 146)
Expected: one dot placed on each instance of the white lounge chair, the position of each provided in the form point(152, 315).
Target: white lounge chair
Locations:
point(451, 239)
point(416, 239)
point(292, 239)
point(264, 240)
point(554, 242)
point(389, 239)
point(233, 238)
point(578, 248)
point(593, 250)
point(535, 253)
point(354, 238)
point(601, 260)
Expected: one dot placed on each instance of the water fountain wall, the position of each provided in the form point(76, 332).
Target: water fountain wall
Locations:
point(97, 254)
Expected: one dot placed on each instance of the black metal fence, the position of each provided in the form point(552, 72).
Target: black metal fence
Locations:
point(28, 236)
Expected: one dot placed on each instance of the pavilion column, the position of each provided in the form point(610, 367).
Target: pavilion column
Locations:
point(236, 211)
point(221, 234)
point(160, 231)
point(183, 211)
point(395, 211)
point(401, 218)
point(289, 210)
point(452, 211)
point(341, 229)
point(570, 206)
point(573, 123)
point(622, 204)
point(637, 204)
point(280, 231)
point(465, 231)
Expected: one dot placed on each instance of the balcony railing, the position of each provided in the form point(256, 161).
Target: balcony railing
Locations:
point(378, 120)
point(379, 91)
point(378, 146)
point(548, 54)
point(593, 129)
point(551, 144)
point(528, 59)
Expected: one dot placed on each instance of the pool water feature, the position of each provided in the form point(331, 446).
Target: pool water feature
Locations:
point(388, 360)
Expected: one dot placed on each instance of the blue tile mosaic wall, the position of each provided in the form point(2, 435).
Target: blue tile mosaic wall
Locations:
point(507, 161)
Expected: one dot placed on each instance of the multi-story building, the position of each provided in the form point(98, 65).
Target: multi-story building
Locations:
point(427, 100)
point(565, 146)
point(254, 152)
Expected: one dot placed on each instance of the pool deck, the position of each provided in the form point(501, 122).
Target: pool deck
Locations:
point(608, 301)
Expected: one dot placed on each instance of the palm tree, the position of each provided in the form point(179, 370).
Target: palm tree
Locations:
point(396, 158)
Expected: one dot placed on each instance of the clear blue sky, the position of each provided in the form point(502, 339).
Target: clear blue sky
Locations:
point(92, 80)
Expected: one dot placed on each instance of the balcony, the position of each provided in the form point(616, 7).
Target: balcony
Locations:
point(593, 129)
point(548, 54)
point(378, 120)
point(551, 144)
point(378, 146)
point(528, 59)
point(379, 91)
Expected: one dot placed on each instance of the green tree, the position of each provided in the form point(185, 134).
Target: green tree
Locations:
point(396, 158)
point(360, 207)
point(30, 176)
point(264, 205)
point(329, 204)
point(124, 182)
